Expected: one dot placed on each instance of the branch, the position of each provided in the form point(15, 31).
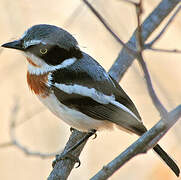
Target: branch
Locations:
point(63, 168)
point(124, 60)
point(150, 45)
point(105, 24)
point(142, 145)
point(151, 137)
point(14, 140)
point(117, 70)
point(159, 106)
point(164, 50)
point(140, 44)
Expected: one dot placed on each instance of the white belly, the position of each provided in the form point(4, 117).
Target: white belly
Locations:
point(72, 117)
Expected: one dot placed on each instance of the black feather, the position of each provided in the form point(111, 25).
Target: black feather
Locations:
point(55, 55)
point(98, 111)
point(167, 159)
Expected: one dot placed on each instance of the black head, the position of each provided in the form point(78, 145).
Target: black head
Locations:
point(50, 43)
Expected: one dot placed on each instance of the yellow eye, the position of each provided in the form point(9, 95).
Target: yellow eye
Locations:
point(43, 51)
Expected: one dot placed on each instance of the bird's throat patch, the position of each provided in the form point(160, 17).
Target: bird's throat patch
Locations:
point(38, 84)
point(32, 63)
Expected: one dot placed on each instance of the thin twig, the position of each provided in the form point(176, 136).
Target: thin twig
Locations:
point(63, 168)
point(161, 109)
point(124, 60)
point(149, 45)
point(139, 41)
point(159, 106)
point(14, 140)
point(103, 21)
point(153, 135)
point(30, 115)
point(164, 50)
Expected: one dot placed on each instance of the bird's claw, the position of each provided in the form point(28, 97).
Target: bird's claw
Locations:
point(72, 129)
point(66, 156)
point(95, 136)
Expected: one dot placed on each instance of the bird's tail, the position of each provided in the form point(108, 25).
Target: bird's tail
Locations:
point(167, 159)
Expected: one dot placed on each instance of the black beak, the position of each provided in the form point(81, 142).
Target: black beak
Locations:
point(14, 45)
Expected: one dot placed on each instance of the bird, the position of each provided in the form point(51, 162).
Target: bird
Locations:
point(75, 87)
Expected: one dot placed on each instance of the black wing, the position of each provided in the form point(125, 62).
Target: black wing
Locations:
point(124, 99)
point(88, 73)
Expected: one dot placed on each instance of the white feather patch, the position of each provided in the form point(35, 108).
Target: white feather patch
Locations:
point(32, 42)
point(73, 117)
point(85, 91)
point(44, 67)
point(95, 95)
point(124, 108)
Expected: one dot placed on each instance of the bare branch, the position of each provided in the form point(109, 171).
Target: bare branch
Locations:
point(161, 109)
point(165, 50)
point(140, 45)
point(124, 60)
point(28, 116)
point(153, 135)
point(149, 45)
point(139, 42)
point(103, 21)
point(63, 168)
point(142, 145)
point(14, 140)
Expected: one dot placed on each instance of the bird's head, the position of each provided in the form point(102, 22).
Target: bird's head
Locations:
point(47, 46)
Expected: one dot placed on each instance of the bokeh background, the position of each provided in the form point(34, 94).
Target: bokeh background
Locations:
point(43, 132)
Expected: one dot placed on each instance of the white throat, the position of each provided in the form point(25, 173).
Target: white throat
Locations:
point(42, 67)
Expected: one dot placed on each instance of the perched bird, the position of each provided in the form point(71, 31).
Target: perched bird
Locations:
point(75, 87)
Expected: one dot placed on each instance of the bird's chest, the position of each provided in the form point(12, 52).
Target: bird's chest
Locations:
point(38, 84)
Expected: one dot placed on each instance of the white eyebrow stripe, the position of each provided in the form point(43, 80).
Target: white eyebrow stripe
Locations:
point(32, 42)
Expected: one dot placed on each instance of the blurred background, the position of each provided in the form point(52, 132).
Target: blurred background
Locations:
point(43, 132)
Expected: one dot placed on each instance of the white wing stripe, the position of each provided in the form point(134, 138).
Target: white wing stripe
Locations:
point(85, 91)
point(95, 95)
point(124, 108)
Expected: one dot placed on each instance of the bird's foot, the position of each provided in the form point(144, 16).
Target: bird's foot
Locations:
point(67, 155)
point(95, 136)
point(72, 129)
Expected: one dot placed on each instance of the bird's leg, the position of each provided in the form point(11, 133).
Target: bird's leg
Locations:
point(68, 154)
point(87, 136)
